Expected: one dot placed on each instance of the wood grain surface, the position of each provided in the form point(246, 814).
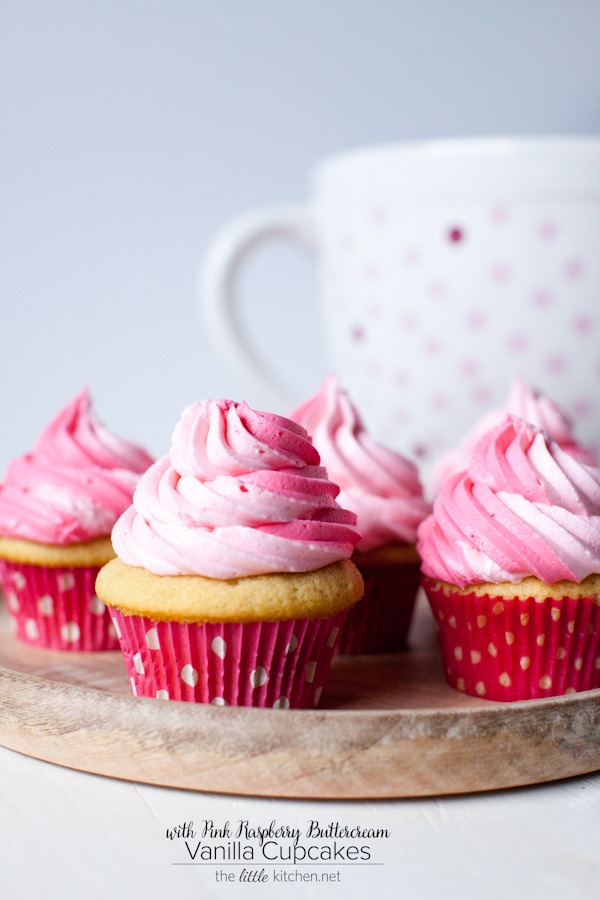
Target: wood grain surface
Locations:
point(387, 727)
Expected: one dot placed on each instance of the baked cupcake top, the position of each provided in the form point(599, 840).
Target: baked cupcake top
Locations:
point(524, 507)
point(377, 483)
point(526, 403)
point(74, 483)
point(240, 493)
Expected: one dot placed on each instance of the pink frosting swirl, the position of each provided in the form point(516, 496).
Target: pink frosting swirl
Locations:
point(74, 484)
point(376, 482)
point(526, 403)
point(523, 507)
point(240, 493)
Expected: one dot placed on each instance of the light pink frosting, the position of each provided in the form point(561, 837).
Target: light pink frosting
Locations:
point(523, 507)
point(525, 403)
point(240, 493)
point(74, 484)
point(377, 483)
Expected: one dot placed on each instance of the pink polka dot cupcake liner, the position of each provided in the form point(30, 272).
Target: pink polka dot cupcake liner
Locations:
point(380, 622)
point(57, 607)
point(281, 665)
point(520, 648)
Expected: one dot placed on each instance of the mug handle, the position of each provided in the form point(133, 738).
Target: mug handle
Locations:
point(217, 283)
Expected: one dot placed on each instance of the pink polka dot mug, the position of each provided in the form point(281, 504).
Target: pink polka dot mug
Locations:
point(447, 268)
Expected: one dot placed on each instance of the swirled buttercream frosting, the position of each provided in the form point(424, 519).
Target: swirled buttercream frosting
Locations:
point(524, 507)
point(240, 493)
point(74, 483)
point(526, 403)
point(377, 483)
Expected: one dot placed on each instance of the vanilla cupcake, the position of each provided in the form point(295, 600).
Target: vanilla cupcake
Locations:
point(383, 488)
point(58, 504)
point(232, 578)
point(511, 563)
point(525, 403)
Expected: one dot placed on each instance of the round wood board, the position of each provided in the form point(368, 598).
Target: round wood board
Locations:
point(388, 726)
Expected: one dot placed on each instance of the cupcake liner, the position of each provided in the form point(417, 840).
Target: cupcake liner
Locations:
point(380, 622)
point(262, 664)
point(520, 648)
point(57, 607)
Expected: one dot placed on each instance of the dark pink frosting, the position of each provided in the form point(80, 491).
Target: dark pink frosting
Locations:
point(526, 403)
point(74, 484)
point(240, 493)
point(523, 507)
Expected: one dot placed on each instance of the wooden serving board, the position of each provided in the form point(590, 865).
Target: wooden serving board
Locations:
point(388, 726)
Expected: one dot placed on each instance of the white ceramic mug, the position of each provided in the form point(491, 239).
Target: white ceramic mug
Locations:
point(446, 268)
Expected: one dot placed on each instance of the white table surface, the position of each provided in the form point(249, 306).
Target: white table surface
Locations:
point(68, 834)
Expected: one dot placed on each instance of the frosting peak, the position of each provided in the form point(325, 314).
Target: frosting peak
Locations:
point(220, 437)
point(376, 482)
point(523, 507)
point(526, 403)
point(240, 493)
point(74, 483)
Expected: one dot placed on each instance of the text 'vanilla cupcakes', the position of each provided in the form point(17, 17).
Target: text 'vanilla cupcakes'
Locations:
point(58, 504)
point(384, 490)
point(511, 559)
point(232, 578)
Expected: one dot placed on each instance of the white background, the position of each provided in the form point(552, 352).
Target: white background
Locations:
point(73, 836)
point(133, 130)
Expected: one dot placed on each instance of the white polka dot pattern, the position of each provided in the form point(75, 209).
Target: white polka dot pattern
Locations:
point(70, 632)
point(432, 309)
point(138, 664)
point(152, 641)
point(57, 608)
point(66, 581)
point(45, 605)
point(219, 646)
point(281, 665)
point(258, 677)
point(310, 671)
point(518, 649)
point(31, 629)
point(292, 644)
point(97, 607)
point(189, 675)
point(12, 602)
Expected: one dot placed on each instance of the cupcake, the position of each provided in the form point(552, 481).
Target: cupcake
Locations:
point(511, 563)
point(58, 505)
point(526, 403)
point(383, 489)
point(232, 577)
